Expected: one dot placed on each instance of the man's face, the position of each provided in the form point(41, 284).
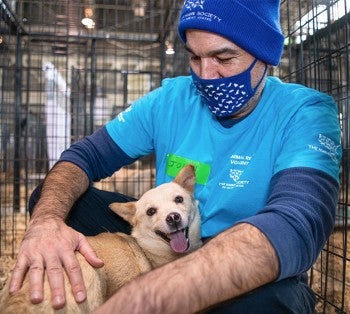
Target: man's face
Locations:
point(213, 56)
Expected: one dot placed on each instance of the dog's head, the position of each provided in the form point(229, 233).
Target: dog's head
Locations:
point(165, 220)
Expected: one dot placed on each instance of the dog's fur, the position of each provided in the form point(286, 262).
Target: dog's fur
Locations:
point(167, 211)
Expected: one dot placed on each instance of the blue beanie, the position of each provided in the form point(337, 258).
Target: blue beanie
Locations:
point(252, 25)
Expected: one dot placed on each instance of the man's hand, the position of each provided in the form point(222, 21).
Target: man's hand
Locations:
point(49, 246)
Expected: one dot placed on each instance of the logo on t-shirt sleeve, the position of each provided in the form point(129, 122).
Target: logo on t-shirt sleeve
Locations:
point(327, 146)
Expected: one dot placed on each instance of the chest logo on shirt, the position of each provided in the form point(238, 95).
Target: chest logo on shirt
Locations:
point(235, 174)
point(238, 163)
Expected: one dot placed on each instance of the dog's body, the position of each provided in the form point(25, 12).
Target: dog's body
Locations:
point(166, 225)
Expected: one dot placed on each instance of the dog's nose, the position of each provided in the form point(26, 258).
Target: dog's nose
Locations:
point(173, 219)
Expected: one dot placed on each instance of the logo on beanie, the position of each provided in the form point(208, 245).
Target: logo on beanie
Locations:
point(195, 10)
point(192, 4)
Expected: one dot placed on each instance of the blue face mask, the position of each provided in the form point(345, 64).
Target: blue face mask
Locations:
point(225, 96)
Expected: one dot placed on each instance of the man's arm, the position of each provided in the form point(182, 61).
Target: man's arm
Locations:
point(282, 240)
point(49, 244)
point(222, 269)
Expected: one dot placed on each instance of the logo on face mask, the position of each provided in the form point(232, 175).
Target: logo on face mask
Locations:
point(192, 4)
point(225, 96)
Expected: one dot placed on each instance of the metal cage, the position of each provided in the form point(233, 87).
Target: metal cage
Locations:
point(67, 67)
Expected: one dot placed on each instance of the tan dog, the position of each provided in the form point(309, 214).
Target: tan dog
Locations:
point(166, 225)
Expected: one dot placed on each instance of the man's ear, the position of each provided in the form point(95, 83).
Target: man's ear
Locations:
point(125, 210)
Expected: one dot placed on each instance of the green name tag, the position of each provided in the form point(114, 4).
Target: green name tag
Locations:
point(176, 163)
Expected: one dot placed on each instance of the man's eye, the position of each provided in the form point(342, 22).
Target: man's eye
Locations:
point(194, 58)
point(224, 60)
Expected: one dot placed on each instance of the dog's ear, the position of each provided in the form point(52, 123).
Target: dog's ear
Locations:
point(186, 178)
point(125, 210)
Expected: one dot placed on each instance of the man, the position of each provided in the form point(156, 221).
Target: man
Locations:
point(267, 160)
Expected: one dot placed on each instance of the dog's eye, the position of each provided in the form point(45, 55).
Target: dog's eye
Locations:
point(151, 211)
point(179, 199)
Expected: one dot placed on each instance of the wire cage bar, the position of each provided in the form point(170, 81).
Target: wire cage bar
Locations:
point(317, 55)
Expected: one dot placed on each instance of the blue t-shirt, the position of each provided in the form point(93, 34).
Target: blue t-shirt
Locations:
point(292, 126)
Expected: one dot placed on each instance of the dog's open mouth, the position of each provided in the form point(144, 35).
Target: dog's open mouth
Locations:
point(178, 240)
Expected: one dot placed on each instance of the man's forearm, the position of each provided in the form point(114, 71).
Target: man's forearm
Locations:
point(64, 184)
point(233, 263)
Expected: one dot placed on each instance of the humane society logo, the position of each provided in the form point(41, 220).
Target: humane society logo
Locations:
point(192, 4)
point(196, 9)
point(327, 146)
point(238, 164)
point(121, 115)
point(235, 174)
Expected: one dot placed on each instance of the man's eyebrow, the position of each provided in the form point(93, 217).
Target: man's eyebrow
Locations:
point(188, 48)
point(219, 51)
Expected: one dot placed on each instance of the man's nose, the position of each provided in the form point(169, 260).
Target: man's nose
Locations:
point(208, 70)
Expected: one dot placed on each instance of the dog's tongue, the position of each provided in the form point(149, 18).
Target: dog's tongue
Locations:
point(178, 242)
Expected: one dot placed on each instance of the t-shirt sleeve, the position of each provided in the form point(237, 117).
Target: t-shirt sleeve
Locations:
point(133, 129)
point(97, 155)
point(311, 137)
